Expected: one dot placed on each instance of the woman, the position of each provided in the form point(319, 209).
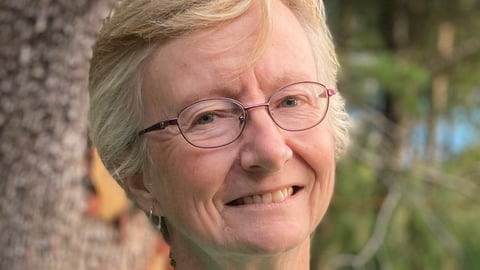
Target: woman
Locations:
point(220, 120)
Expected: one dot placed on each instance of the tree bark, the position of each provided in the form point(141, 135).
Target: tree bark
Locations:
point(43, 144)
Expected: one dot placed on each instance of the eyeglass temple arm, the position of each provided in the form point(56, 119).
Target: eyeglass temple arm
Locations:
point(331, 92)
point(159, 126)
point(328, 93)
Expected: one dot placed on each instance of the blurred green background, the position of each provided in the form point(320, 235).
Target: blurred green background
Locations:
point(407, 191)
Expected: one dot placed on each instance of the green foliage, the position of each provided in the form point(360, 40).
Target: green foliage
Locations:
point(395, 206)
point(404, 80)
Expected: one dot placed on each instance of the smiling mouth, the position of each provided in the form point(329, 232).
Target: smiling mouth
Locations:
point(270, 197)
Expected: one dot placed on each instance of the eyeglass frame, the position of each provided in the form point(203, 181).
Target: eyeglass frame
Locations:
point(174, 121)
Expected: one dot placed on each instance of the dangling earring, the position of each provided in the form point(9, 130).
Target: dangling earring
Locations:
point(150, 213)
point(159, 224)
point(156, 220)
point(173, 263)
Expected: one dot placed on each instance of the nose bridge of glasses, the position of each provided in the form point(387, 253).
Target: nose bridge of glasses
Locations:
point(258, 105)
point(253, 106)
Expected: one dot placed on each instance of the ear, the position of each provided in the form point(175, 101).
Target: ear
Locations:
point(142, 196)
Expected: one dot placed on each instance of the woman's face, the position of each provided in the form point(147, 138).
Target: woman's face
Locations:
point(194, 188)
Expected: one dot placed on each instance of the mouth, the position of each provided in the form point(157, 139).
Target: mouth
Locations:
point(277, 196)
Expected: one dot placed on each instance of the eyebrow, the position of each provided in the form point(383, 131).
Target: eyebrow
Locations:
point(205, 93)
point(234, 91)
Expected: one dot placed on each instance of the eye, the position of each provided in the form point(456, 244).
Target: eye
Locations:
point(209, 115)
point(289, 102)
point(205, 118)
point(210, 119)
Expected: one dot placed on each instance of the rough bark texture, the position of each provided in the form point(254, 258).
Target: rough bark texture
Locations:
point(45, 47)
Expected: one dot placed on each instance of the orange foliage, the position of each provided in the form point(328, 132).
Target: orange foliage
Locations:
point(109, 200)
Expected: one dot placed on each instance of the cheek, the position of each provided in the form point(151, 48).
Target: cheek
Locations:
point(322, 155)
point(316, 149)
point(325, 173)
point(185, 177)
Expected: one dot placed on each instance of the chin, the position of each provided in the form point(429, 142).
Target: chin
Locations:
point(271, 240)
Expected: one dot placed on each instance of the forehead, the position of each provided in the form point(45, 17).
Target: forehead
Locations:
point(212, 62)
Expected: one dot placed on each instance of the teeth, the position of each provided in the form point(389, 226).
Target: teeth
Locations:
point(276, 197)
point(248, 200)
point(267, 198)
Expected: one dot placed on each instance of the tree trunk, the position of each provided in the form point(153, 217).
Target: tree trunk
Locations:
point(45, 48)
point(439, 92)
point(394, 21)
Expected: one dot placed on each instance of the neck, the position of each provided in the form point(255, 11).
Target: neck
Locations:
point(196, 258)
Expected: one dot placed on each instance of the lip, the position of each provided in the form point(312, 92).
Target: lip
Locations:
point(272, 196)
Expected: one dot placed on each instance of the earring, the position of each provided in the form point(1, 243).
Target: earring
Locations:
point(150, 213)
point(173, 263)
point(159, 223)
point(156, 220)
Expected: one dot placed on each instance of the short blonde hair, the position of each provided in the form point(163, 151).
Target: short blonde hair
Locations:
point(136, 28)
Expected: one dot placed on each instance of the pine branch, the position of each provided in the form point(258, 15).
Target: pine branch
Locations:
point(385, 214)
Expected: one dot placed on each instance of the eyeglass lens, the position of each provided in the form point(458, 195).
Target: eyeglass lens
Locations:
point(217, 122)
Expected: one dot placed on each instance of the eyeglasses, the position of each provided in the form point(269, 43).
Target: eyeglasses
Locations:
point(216, 122)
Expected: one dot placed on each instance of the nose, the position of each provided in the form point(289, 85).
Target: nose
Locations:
point(264, 146)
